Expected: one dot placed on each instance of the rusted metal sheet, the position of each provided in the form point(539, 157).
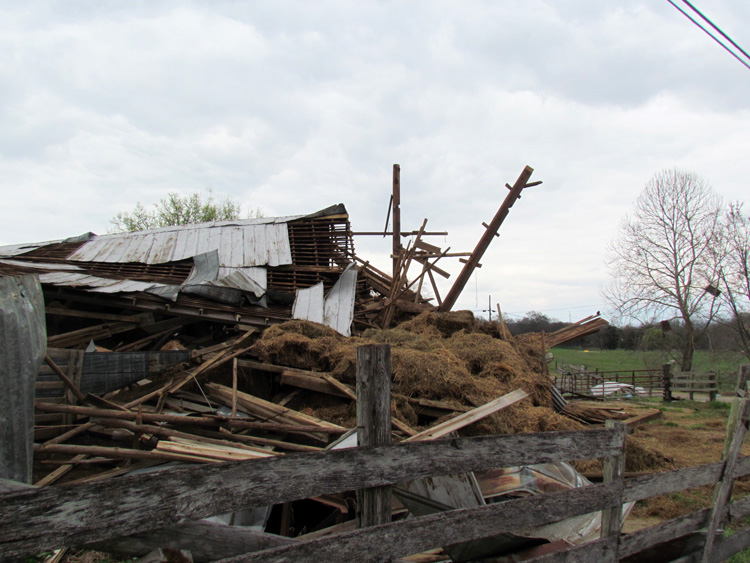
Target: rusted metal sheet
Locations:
point(23, 344)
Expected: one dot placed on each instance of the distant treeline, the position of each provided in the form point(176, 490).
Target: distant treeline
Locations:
point(720, 337)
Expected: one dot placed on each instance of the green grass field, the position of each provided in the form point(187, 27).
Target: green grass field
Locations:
point(726, 365)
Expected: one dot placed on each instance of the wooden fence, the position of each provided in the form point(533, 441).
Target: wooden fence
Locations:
point(38, 519)
point(579, 381)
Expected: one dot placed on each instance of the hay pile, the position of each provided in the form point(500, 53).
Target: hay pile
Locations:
point(437, 356)
point(447, 357)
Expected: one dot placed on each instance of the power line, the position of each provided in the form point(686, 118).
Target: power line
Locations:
point(711, 35)
point(712, 24)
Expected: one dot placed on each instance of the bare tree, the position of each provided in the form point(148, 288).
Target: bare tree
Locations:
point(735, 274)
point(668, 251)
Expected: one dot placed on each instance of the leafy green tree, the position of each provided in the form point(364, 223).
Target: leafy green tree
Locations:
point(178, 210)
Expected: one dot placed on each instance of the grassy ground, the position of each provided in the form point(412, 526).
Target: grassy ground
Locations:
point(726, 365)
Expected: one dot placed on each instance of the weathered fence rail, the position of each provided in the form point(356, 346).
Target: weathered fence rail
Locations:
point(33, 520)
point(37, 519)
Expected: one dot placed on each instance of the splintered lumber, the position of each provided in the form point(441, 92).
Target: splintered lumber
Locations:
point(266, 409)
point(470, 417)
point(644, 417)
point(60, 471)
point(219, 439)
point(211, 452)
point(191, 420)
point(216, 361)
point(484, 242)
point(584, 327)
point(114, 453)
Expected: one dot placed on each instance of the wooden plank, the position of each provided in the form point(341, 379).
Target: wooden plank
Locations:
point(470, 417)
point(266, 409)
point(739, 509)
point(639, 488)
point(39, 519)
point(638, 541)
point(645, 417)
point(206, 541)
point(188, 420)
point(343, 389)
point(726, 547)
point(601, 551)
point(379, 543)
point(373, 425)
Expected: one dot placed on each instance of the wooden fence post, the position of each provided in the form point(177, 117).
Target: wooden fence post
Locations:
point(373, 425)
point(736, 427)
point(666, 377)
point(614, 471)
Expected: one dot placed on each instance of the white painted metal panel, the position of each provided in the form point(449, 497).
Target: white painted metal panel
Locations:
point(16, 249)
point(279, 251)
point(127, 286)
point(258, 276)
point(338, 312)
point(240, 279)
point(236, 245)
point(308, 304)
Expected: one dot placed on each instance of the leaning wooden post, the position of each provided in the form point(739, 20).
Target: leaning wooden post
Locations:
point(614, 472)
point(666, 377)
point(373, 425)
point(742, 379)
point(736, 427)
point(484, 242)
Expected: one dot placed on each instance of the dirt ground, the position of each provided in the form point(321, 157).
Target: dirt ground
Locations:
point(689, 433)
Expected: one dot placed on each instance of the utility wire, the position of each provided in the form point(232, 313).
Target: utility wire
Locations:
point(711, 35)
point(712, 24)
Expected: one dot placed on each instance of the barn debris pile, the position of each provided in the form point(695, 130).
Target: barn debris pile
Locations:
point(237, 340)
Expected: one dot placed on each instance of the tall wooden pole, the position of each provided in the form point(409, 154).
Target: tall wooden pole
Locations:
point(484, 242)
point(396, 218)
point(374, 425)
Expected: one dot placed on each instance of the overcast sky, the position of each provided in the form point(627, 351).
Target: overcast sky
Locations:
point(295, 106)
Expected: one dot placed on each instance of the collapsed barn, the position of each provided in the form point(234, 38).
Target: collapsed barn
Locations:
point(238, 340)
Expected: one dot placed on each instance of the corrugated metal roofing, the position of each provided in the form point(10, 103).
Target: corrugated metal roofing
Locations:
point(23, 344)
point(240, 244)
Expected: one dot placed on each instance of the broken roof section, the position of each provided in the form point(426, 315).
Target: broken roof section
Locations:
point(251, 267)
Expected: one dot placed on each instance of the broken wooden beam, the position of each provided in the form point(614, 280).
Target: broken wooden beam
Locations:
point(484, 242)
